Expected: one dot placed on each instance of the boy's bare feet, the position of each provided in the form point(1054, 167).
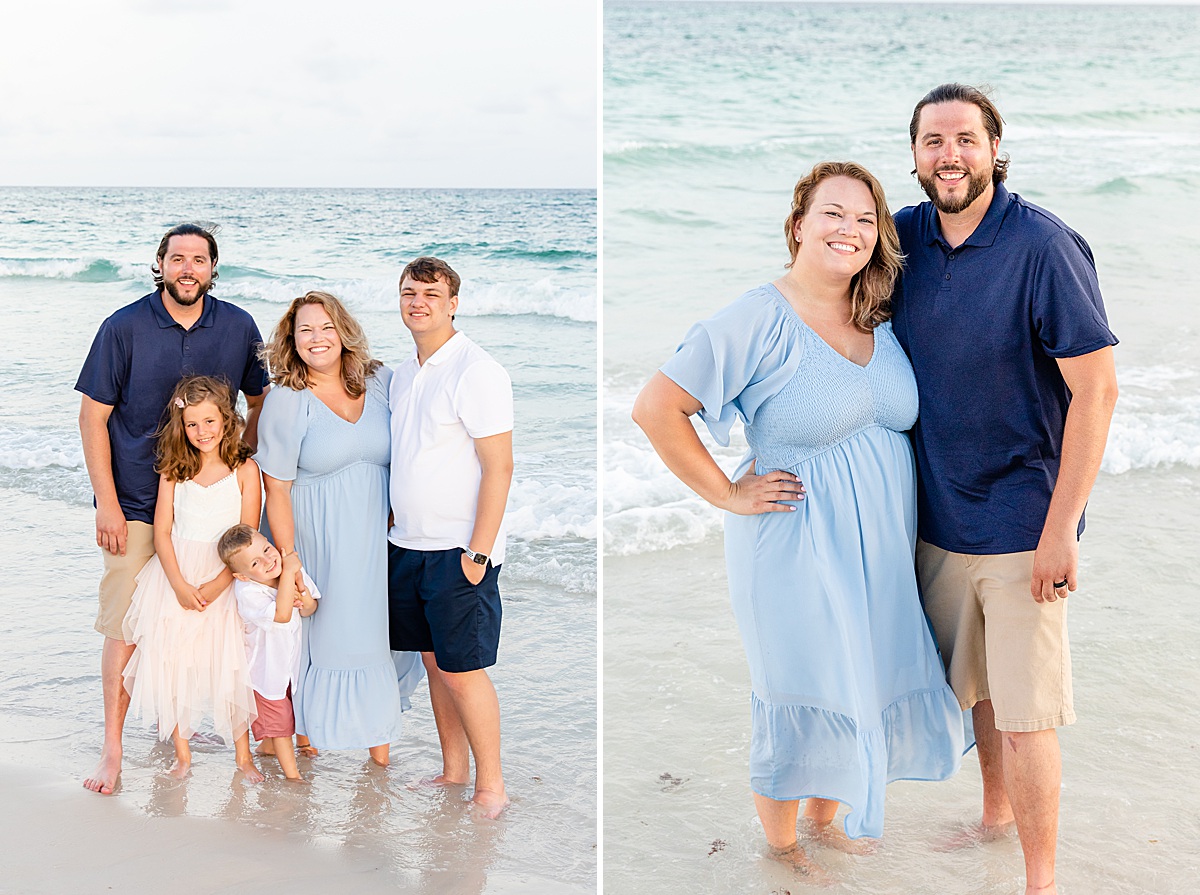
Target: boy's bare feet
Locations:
point(794, 856)
point(489, 803)
point(104, 778)
point(835, 837)
point(250, 769)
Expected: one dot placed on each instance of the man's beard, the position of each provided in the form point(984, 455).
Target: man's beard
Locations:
point(977, 184)
point(186, 300)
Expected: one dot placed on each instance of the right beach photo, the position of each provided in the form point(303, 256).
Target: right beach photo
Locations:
point(901, 448)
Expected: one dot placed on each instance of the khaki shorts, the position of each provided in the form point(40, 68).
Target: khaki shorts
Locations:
point(119, 579)
point(998, 643)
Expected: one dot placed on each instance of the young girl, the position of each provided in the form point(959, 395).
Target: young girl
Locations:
point(190, 659)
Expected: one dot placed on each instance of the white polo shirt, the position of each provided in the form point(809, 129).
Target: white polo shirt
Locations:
point(272, 648)
point(459, 394)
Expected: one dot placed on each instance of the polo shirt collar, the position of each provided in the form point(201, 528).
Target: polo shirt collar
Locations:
point(454, 344)
point(166, 321)
point(985, 233)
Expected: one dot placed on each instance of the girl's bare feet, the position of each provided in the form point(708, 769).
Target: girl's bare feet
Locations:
point(247, 766)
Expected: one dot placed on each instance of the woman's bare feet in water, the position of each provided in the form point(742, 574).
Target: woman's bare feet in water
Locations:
point(305, 748)
point(835, 837)
point(381, 755)
point(794, 857)
point(488, 803)
point(182, 767)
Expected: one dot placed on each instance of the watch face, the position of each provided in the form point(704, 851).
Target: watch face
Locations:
point(480, 559)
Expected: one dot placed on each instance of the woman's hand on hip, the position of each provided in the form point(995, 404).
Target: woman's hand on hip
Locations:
point(753, 494)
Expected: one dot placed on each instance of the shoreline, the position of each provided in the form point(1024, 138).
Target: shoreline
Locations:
point(66, 839)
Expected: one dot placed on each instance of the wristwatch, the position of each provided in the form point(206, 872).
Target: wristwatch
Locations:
point(477, 558)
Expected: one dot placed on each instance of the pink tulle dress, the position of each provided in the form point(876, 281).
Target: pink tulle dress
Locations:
point(190, 665)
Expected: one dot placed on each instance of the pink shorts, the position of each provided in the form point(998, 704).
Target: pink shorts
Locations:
point(275, 717)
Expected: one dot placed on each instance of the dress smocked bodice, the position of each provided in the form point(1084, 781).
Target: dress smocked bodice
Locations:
point(301, 440)
point(204, 513)
point(830, 398)
point(757, 361)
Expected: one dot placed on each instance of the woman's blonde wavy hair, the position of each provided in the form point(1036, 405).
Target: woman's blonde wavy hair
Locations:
point(282, 359)
point(177, 458)
point(871, 288)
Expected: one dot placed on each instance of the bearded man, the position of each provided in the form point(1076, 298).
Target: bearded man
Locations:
point(140, 352)
point(999, 310)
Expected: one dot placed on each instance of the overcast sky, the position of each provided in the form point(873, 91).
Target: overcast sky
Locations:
point(404, 93)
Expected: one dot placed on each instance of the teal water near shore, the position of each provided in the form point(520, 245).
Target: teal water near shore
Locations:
point(712, 112)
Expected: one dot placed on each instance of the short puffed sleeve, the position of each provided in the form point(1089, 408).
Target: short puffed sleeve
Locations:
point(737, 359)
point(282, 426)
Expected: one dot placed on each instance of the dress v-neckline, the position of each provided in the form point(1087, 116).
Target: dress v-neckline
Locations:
point(361, 413)
point(874, 334)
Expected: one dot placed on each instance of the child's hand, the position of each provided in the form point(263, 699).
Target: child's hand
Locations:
point(190, 597)
point(210, 590)
point(291, 562)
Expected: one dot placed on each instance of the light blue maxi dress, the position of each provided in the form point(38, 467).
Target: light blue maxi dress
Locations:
point(848, 691)
point(352, 690)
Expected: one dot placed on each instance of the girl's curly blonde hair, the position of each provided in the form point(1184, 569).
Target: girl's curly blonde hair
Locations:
point(177, 458)
point(282, 359)
point(871, 288)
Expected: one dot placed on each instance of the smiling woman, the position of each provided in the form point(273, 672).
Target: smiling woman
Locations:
point(324, 451)
point(820, 523)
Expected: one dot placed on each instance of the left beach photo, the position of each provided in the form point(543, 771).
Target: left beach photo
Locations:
point(298, 448)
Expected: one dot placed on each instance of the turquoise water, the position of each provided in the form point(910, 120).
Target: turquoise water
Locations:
point(712, 111)
point(69, 257)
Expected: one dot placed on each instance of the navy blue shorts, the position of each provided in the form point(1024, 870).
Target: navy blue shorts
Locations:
point(432, 607)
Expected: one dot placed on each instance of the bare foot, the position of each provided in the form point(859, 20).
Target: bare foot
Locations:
point(1048, 889)
point(974, 835)
point(793, 856)
point(181, 768)
point(488, 803)
point(305, 748)
point(835, 837)
point(104, 779)
point(250, 769)
point(266, 747)
point(381, 755)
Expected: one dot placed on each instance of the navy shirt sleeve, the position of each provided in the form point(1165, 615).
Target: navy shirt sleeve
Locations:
point(1068, 312)
point(106, 370)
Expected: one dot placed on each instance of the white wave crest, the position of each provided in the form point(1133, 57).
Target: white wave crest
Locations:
point(51, 268)
point(542, 298)
point(31, 449)
point(543, 510)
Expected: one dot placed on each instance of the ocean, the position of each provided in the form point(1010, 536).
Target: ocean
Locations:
point(712, 111)
point(71, 256)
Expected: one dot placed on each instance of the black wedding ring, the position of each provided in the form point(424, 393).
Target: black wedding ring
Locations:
point(1058, 584)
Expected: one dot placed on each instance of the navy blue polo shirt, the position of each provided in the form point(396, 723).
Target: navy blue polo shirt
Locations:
point(983, 324)
point(136, 359)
